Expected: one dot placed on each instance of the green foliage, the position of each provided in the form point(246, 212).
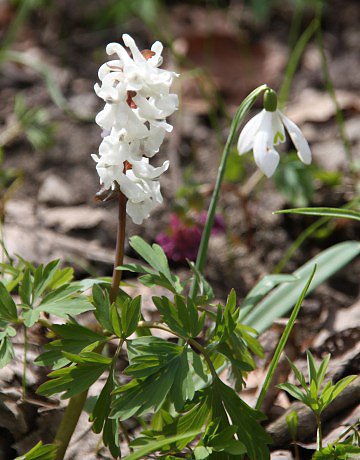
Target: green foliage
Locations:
point(40, 452)
point(181, 315)
point(159, 369)
point(284, 297)
point(283, 340)
point(233, 340)
point(156, 258)
point(8, 310)
point(330, 212)
point(312, 395)
point(292, 422)
point(73, 339)
point(87, 368)
point(337, 452)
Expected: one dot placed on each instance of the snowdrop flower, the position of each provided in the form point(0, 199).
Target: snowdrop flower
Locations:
point(266, 130)
point(137, 102)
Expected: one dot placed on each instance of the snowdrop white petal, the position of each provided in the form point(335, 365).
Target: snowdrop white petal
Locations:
point(247, 135)
point(266, 157)
point(301, 144)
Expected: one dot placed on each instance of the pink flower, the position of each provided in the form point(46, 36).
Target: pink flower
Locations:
point(182, 239)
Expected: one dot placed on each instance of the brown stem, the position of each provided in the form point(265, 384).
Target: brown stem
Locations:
point(120, 248)
point(76, 403)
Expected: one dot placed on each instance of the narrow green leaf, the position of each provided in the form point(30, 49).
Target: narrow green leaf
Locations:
point(40, 452)
point(154, 255)
point(7, 305)
point(43, 277)
point(283, 340)
point(322, 370)
point(312, 369)
point(6, 352)
point(156, 445)
point(102, 305)
point(331, 212)
point(130, 316)
point(284, 297)
point(293, 390)
point(25, 289)
point(340, 386)
point(263, 287)
point(299, 375)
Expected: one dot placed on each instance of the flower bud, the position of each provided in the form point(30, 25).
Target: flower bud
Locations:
point(270, 100)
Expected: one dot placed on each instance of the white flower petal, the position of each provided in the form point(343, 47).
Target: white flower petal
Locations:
point(278, 128)
point(247, 135)
point(130, 43)
point(266, 157)
point(301, 144)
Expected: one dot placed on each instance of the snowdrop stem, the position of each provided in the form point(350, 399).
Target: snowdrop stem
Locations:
point(120, 247)
point(237, 120)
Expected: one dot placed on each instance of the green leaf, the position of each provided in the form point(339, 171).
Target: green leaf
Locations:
point(159, 368)
point(102, 307)
point(6, 351)
point(130, 316)
point(111, 437)
point(153, 255)
point(62, 302)
point(73, 380)
point(43, 277)
point(25, 289)
point(226, 404)
point(330, 212)
point(293, 390)
point(337, 452)
point(312, 369)
point(61, 277)
point(181, 315)
point(322, 370)
point(101, 410)
point(7, 305)
point(292, 422)
point(157, 444)
point(340, 386)
point(298, 374)
point(40, 452)
point(284, 297)
point(74, 339)
point(263, 287)
point(156, 258)
point(283, 340)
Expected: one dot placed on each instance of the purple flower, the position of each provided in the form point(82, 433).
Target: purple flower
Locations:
point(182, 239)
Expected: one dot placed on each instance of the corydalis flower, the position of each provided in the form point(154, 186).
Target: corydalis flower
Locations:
point(137, 101)
point(266, 130)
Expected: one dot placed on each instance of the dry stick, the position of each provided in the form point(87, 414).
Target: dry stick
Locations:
point(76, 403)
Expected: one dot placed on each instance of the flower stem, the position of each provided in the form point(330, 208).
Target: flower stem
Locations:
point(68, 423)
point(76, 403)
point(238, 118)
point(120, 248)
point(318, 432)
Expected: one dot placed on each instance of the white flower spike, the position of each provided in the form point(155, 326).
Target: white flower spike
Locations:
point(137, 101)
point(266, 130)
